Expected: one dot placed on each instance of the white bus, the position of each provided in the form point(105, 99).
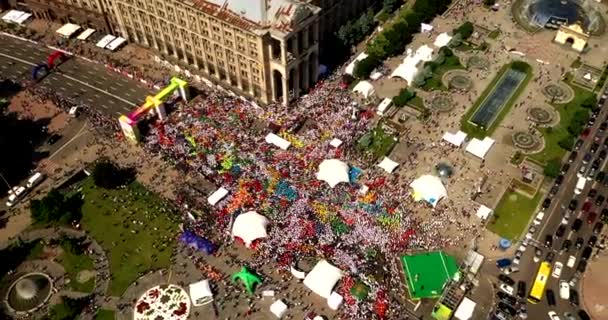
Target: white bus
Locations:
point(580, 185)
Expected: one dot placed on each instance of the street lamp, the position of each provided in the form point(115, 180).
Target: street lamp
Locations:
point(6, 182)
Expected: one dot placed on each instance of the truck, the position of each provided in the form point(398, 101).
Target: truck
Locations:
point(580, 185)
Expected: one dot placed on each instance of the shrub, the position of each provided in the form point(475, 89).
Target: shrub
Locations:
point(363, 68)
point(552, 168)
point(465, 30)
point(566, 143)
point(56, 207)
point(590, 102)
point(404, 96)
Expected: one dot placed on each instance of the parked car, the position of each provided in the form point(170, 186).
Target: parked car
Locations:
point(550, 256)
point(546, 203)
point(566, 245)
point(592, 240)
point(503, 263)
point(569, 316)
point(604, 215)
point(579, 243)
point(557, 269)
point(578, 144)
point(564, 290)
point(506, 297)
point(583, 315)
point(591, 217)
point(548, 241)
point(582, 266)
point(550, 298)
point(509, 270)
point(572, 205)
point(506, 279)
point(521, 289)
point(577, 224)
point(597, 228)
point(506, 288)
point(586, 253)
point(599, 200)
point(553, 315)
point(538, 253)
point(574, 297)
point(587, 158)
point(586, 206)
point(560, 231)
point(507, 308)
point(571, 261)
point(594, 147)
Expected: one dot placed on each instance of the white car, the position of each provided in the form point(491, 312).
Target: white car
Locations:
point(15, 196)
point(539, 218)
point(571, 261)
point(553, 315)
point(506, 288)
point(557, 269)
point(564, 290)
point(509, 270)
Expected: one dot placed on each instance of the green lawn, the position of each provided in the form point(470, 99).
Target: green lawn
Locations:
point(512, 214)
point(560, 131)
point(103, 314)
point(73, 264)
point(135, 227)
point(377, 142)
point(434, 82)
point(494, 34)
point(478, 132)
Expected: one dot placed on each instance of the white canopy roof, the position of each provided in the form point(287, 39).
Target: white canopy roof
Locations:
point(388, 165)
point(442, 40)
point(335, 142)
point(333, 171)
point(383, 106)
point(429, 188)
point(480, 148)
point(323, 278)
point(218, 195)
point(16, 16)
point(424, 27)
point(364, 88)
point(351, 66)
point(200, 293)
point(68, 29)
point(250, 226)
point(465, 309)
point(116, 43)
point(277, 141)
point(85, 34)
point(484, 212)
point(456, 139)
point(335, 301)
point(278, 308)
point(105, 41)
point(412, 62)
point(376, 75)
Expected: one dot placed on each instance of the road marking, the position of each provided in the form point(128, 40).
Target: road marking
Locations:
point(104, 106)
point(80, 132)
point(69, 84)
point(112, 87)
point(17, 59)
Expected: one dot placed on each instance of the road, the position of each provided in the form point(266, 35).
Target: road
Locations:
point(551, 222)
point(89, 82)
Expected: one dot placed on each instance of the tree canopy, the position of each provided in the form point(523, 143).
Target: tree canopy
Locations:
point(55, 207)
point(107, 175)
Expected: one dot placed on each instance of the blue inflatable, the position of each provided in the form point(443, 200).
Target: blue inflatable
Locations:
point(40, 71)
point(197, 242)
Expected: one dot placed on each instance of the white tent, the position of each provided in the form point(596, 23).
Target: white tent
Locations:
point(16, 16)
point(364, 88)
point(200, 293)
point(484, 212)
point(22, 18)
point(218, 195)
point(68, 29)
point(85, 34)
point(323, 278)
point(388, 165)
point(456, 139)
point(297, 273)
point(116, 43)
point(278, 308)
point(335, 301)
point(350, 68)
point(105, 41)
point(335, 142)
point(429, 188)
point(480, 148)
point(277, 141)
point(333, 171)
point(442, 40)
point(250, 226)
point(425, 27)
point(465, 309)
point(412, 62)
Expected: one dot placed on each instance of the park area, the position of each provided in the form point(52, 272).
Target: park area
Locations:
point(133, 226)
point(512, 214)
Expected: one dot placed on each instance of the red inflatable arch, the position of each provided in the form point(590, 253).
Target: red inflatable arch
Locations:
point(53, 57)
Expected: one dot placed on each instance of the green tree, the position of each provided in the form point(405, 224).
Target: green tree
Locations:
point(363, 68)
point(566, 143)
point(55, 207)
point(552, 168)
point(404, 96)
point(109, 176)
point(68, 309)
point(590, 102)
point(390, 5)
point(466, 30)
point(379, 46)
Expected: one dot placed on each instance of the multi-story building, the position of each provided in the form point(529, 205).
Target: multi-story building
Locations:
point(264, 49)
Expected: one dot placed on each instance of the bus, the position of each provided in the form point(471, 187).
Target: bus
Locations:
point(538, 287)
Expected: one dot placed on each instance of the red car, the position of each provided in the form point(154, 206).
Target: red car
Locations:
point(585, 133)
point(586, 206)
point(591, 217)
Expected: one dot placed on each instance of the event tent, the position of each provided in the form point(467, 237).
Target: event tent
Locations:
point(200, 293)
point(350, 68)
point(249, 226)
point(116, 43)
point(278, 308)
point(323, 278)
point(85, 34)
point(484, 212)
point(335, 142)
point(442, 40)
point(364, 88)
point(465, 309)
point(277, 141)
point(68, 29)
point(480, 148)
point(427, 273)
point(425, 27)
point(388, 165)
point(16, 16)
point(456, 139)
point(105, 41)
point(428, 188)
point(412, 62)
point(335, 301)
point(218, 195)
point(333, 171)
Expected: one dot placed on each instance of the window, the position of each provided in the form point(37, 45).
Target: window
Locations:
point(231, 68)
point(244, 74)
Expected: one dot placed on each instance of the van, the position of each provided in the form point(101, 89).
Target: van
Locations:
point(15, 196)
point(571, 261)
point(34, 180)
point(580, 185)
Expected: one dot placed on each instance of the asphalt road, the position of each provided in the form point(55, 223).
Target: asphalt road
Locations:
point(551, 222)
point(90, 83)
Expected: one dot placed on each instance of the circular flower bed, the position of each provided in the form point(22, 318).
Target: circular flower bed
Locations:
point(441, 103)
point(558, 92)
point(478, 62)
point(162, 303)
point(540, 115)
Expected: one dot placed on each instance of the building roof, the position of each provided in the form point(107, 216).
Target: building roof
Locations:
point(426, 274)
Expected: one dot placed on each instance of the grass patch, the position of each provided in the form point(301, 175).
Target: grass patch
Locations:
point(434, 82)
point(478, 132)
point(378, 142)
point(73, 264)
point(512, 214)
point(553, 135)
point(417, 102)
point(494, 34)
point(135, 228)
point(103, 314)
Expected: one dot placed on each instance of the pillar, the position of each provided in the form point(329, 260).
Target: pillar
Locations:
point(305, 78)
point(285, 89)
point(283, 52)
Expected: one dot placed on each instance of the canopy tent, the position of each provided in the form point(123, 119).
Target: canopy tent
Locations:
point(249, 227)
point(428, 188)
point(335, 301)
point(335, 142)
point(384, 106)
point(425, 27)
point(85, 34)
point(333, 171)
point(426, 274)
point(376, 75)
point(105, 41)
point(364, 88)
point(350, 68)
point(68, 29)
point(484, 212)
point(16, 16)
point(278, 308)
point(480, 148)
point(465, 309)
point(200, 293)
point(277, 141)
point(116, 43)
point(409, 68)
point(388, 165)
point(323, 278)
point(456, 139)
point(218, 195)
point(197, 242)
point(473, 261)
point(297, 273)
point(442, 40)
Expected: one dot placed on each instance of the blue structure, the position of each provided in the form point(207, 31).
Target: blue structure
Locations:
point(197, 242)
